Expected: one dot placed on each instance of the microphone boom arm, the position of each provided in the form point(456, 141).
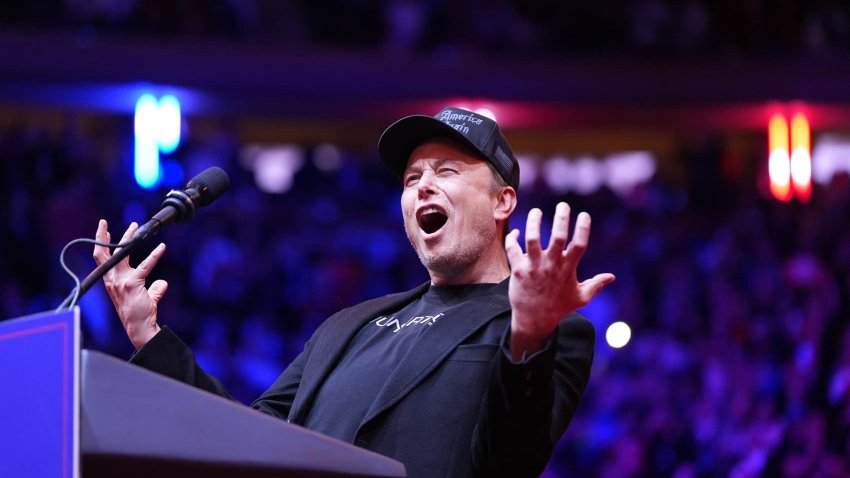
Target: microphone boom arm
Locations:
point(179, 206)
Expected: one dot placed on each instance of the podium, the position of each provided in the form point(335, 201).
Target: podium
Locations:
point(66, 412)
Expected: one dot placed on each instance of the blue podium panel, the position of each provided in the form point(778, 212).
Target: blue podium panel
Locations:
point(39, 401)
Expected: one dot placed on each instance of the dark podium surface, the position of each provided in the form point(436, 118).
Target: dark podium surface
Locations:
point(134, 422)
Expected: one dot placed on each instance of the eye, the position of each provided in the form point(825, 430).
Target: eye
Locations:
point(446, 171)
point(411, 179)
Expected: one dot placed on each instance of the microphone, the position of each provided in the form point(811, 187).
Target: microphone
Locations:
point(180, 205)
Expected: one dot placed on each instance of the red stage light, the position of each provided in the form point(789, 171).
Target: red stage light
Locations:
point(779, 164)
point(790, 162)
point(801, 157)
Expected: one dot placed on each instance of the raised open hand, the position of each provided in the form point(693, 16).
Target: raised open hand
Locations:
point(544, 284)
point(136, 305)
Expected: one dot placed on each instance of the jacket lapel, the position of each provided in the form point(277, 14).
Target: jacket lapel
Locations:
point(435, 346)
point(333, 340)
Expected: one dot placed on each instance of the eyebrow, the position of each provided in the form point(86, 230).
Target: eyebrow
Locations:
point(437, 163)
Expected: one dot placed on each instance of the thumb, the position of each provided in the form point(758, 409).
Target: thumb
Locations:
point(512, 248)
point(592, 286)
point(157, 290)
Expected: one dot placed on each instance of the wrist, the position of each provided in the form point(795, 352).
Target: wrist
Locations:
point(534, 323)
point(524, 342)
point(139, 338)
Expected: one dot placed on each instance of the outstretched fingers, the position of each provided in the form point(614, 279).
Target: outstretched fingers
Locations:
point(560, 230)
point(128, 234)
point(512, 248)
point(532, 234)
point(581, 237)
point(146, 266)
point(124, 264)
point(101, 254)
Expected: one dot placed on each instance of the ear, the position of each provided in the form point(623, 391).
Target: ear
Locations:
point(505, 203)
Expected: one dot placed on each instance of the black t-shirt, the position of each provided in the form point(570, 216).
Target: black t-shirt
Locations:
point(373, 354)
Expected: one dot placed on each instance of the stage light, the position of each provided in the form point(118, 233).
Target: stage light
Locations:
point(590, 175)
point(274, 166)
point(486, 112)
point(779, 162)
point(779, 169)
point(528, 165)
point(146, 162)
point(558, 173)
point(628, 169)
point(157, 130)
point(618, 335)
point(830, 157)
point(801, 157)
point(169, 124)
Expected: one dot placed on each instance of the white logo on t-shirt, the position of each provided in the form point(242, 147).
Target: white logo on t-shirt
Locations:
point(384, 321)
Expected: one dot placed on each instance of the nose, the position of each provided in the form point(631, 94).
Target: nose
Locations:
point(426, 185)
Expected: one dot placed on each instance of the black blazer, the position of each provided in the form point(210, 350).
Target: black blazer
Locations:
point(456, 407)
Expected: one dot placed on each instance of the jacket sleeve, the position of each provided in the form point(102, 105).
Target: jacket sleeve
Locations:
point(528, 405)
point(277, 400)
point(168, 355)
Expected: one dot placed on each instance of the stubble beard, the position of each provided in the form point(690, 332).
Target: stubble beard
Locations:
point(458, 256)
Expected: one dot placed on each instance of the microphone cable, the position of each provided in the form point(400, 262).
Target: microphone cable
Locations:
point(74, 296)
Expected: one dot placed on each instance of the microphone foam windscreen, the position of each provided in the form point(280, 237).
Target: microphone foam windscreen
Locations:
point(211, 183)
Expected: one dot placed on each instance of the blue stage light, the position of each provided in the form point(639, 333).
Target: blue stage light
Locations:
point(169, 124)
point(157, 129)
point(146, 164)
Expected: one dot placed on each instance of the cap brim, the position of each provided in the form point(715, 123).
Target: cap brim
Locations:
point(402, 137)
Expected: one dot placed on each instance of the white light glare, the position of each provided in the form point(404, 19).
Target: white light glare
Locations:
point(528, 170)
point(486, 112)
point(779, 167)
point(618, 334)
point(146, 168)
point(590, 175)
point(558, 173)
point(628, 169)
point(801, 166)
point(830, 156)
point(157, 129)
point(274, 166)
point(169, 124)
point(619, 171)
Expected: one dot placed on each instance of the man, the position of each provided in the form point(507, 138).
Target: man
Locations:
point(474, 373)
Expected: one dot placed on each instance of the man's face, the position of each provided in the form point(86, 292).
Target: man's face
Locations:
point(449, 202)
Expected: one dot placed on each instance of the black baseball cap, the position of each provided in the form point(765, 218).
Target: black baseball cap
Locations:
point(476, 131)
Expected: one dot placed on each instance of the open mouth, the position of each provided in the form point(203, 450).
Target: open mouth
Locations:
point(431, 219)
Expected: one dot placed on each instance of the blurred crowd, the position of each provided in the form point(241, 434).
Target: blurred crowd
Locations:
point(667, 28)
point(739, 363)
